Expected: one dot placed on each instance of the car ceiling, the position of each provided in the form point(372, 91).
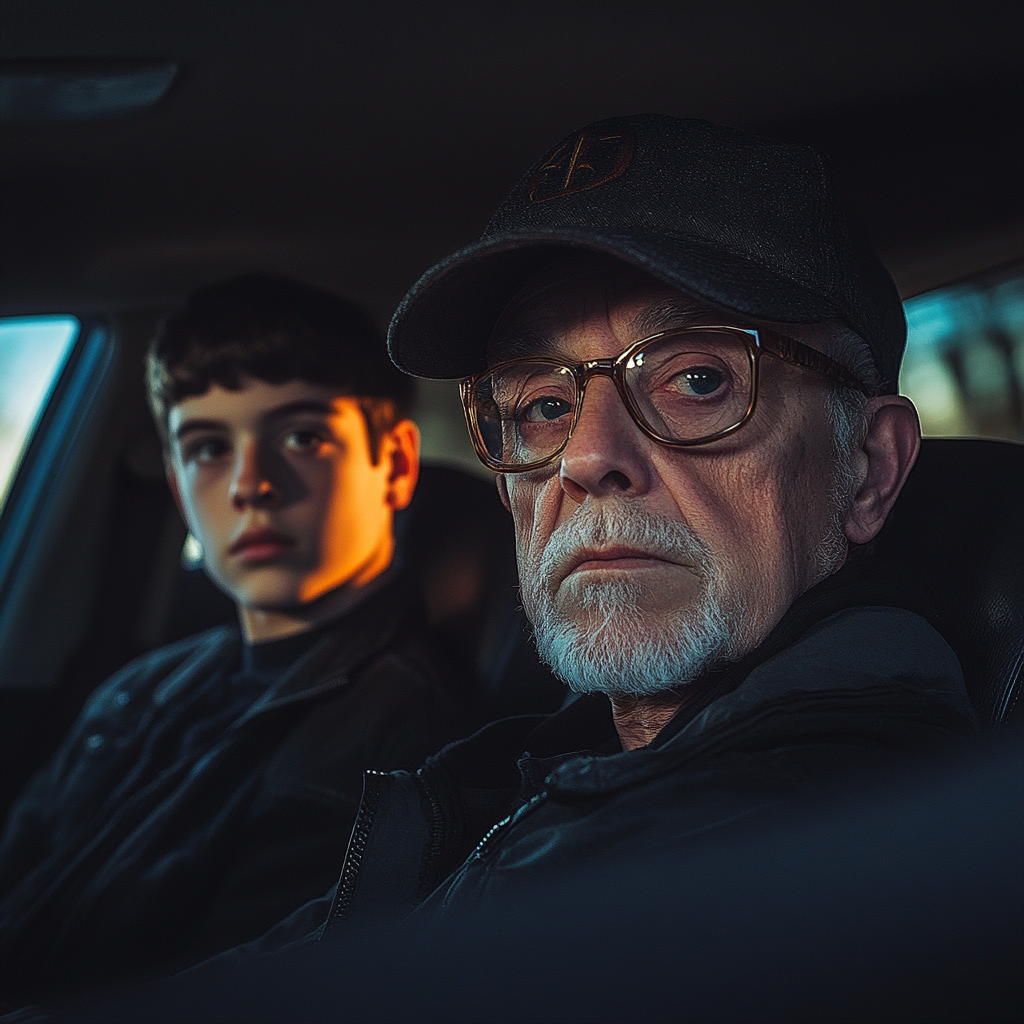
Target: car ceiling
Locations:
point(353, 144)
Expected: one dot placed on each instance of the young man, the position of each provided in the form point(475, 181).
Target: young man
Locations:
point(208, 789)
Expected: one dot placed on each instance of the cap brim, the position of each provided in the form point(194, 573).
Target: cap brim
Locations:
point(442, 326)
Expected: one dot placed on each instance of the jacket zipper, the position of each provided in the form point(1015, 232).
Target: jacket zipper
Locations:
point(484, 847)
point(436, 844)
point(356, 847)
point(491, 836)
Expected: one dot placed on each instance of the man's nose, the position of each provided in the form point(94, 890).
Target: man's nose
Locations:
point(251, 484)
point(607, 451)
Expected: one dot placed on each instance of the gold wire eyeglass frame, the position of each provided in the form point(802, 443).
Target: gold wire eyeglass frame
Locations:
point(757, 341)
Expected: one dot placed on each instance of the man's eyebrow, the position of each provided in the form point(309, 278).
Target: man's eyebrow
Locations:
point(186, 426)
point(303, 405)
point(666, 315)
point(521, 343)
point(669, 314)
point(279, 412)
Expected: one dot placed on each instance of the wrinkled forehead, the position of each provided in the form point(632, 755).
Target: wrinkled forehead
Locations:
point(575, 293)
point(578, 292)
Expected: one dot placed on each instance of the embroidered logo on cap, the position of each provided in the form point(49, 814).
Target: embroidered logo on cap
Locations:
point(585, 161)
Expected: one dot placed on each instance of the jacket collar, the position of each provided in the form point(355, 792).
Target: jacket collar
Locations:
point(216, 648)
point(862, 581)
point(350, 641)
point(566, 748)
point(347, 642)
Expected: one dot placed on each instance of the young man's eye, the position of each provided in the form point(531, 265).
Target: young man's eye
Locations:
point(303, 440)
point(207, 450)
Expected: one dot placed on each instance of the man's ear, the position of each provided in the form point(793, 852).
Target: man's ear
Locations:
point(502, 481)
point(402, 449)
point(885, 460)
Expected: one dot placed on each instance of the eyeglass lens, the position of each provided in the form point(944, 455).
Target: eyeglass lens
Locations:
point(683, 387)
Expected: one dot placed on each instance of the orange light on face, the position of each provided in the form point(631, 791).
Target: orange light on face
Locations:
point(278, 486)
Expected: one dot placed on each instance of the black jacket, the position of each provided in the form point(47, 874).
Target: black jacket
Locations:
point(120, 859)
point(845, 687)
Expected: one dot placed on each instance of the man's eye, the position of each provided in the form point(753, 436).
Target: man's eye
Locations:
point(699, 381)
point(545, 409)
point(207, 450)
point(303, 441)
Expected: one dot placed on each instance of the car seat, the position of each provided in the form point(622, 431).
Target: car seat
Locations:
point(456, 538)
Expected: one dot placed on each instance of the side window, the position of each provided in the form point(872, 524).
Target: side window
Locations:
point(964, 367)
point(33, 352)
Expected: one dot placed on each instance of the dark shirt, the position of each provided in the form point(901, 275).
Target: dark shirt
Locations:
point(208, 790)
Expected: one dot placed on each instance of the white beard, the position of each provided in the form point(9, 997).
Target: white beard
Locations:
point(614, 647)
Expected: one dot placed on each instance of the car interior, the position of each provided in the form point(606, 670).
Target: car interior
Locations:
point(153, 148)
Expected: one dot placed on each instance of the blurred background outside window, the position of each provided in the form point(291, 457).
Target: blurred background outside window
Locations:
point(964, 367)
point(33, 351)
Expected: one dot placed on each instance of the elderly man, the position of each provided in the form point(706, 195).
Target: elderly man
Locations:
point(682, 366)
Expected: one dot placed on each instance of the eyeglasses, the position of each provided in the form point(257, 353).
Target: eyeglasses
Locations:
point(682, 387)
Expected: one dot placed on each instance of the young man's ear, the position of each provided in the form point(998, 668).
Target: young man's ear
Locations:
point(401, 447)
point(885, 460)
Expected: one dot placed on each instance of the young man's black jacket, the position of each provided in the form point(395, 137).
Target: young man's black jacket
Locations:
point(849, 685)
point(161, 833)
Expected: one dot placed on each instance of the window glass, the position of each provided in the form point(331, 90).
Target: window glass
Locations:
point(964, 367)
point(33, 351)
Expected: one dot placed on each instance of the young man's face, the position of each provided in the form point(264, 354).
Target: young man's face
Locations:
point(278, 484)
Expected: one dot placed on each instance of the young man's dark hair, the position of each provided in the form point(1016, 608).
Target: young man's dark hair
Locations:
point(275, 330)
point(209, 788)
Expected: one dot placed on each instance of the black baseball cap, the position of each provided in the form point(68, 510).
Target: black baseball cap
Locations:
point(747, 224)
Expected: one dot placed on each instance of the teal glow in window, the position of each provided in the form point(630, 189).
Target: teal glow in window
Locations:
point(964, 366)
point(33, 351)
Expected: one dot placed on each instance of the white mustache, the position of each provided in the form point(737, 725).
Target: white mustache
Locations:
point(622, 523)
